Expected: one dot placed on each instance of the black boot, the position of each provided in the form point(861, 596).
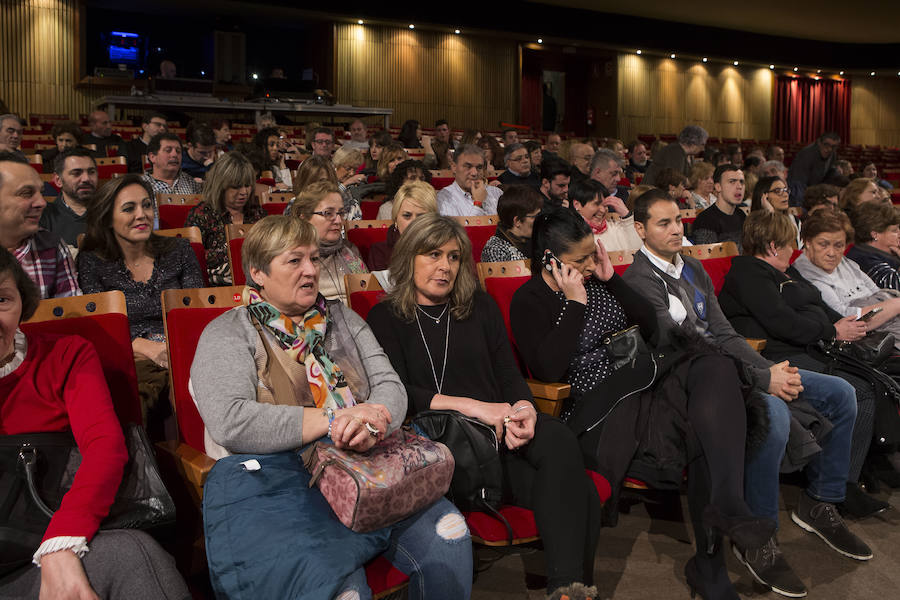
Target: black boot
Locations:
point(859, 504)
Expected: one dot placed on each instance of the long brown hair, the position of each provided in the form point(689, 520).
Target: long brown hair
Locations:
point(99, 236)
point(430, 232)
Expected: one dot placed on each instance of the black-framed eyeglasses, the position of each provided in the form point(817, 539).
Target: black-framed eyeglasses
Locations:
point(331, 213)
point(779, 190)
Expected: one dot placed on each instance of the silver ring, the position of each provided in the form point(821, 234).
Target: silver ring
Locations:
point(372, 430)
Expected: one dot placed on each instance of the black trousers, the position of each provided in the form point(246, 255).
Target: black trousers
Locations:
point(547, 476)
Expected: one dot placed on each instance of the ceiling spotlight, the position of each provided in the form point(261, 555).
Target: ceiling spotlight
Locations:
point(672, 55)
point(872, 74)
point(203, 72)
point(456, 31)
point(818, 70)
point(772, 67)
point(796, 69)
point(736, 63)
point(841, 73)
point(639, 51)
point(705, 59)
point(540, 41)
point(360, 22)
point(255, 76)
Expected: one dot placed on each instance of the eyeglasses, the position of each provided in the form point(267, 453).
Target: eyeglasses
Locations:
point(781, 191)
point(521, 158)
point(326, 141)
point(329, 214)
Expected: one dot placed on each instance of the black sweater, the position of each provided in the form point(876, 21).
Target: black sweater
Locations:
point(547, 328)
point(783, 308)
point(480, 362)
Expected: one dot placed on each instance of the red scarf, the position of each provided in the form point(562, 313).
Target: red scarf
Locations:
point(597, 229)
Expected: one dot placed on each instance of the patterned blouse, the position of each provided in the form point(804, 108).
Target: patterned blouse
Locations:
point(212, 228)
point(176, 269)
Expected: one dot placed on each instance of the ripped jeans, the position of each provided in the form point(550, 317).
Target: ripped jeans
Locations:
point(433, 548)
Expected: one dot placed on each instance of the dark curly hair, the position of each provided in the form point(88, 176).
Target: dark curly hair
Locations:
point(28, 291)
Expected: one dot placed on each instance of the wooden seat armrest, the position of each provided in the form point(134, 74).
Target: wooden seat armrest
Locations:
point(193, 464)
point(549, 391)
point(757, 344)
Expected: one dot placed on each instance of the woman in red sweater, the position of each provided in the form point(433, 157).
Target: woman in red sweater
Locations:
point(55, 383)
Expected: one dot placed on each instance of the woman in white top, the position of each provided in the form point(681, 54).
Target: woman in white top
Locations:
point(587, 199)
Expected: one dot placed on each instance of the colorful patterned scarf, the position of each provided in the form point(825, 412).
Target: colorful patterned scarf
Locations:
point(306, 346)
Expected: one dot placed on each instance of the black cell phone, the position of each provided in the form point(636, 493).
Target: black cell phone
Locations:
point(548, 261)
point(868, 316)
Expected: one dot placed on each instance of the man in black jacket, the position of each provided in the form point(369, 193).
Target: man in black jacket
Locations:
point(691, 140)
point(812, 165)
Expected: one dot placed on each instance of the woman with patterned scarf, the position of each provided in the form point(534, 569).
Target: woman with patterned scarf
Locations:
point(588, 198)
point(284, 370)
point(322, 205)
point(516, 209)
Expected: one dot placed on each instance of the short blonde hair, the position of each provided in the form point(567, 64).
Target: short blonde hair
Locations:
point(636, 192)
point(699, 172)
point(347, 157)
point(308, 199)
point(419, 192)
point(762, 227)
point(312, 170)
point(427, 233)
point(271, 236)
point(231, 170)
point(394, 150)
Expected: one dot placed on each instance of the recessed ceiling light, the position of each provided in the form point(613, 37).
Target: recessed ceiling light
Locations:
point(736, 63)
point(360, 22)
point(872, 74)
point(796, 69)
point(841, 73)
point(255, 76)
point(771, 66)
point(540, 41)
point(705, 59)
point(672, 55)
point(638, 51)
point(818, 70)
point(411, 26)
point(456, 31)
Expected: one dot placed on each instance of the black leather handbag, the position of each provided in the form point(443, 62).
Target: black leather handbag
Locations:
point(36, 471)
point(874, 349)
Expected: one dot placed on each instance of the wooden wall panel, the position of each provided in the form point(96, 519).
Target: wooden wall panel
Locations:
point(38, 50)
point(427, 75)
point(875, 111)
point(661, 95)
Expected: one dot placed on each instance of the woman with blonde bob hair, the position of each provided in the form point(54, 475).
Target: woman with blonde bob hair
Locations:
point(227, 199)
point(391, 156)
point(336, 383)
point(447, 342)
point(322, 205)
point(413, 200)
point(860, 190)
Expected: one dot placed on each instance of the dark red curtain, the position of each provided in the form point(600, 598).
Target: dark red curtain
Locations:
point(531, 98)
point(807, 108)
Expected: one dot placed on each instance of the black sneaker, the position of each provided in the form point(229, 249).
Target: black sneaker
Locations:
point(858, 505)
point(768, 566)
point(822, 519)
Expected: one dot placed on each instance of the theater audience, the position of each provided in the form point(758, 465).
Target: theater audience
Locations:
point(344, 383)
point(580, 156)
point(638, 160)
point(555, 177)
point(702, 185)
point(408, 170)
point(441, 158)
point(410, 134)
point(517, 161)
point(55, 383)
point(201, 151)
point(691, 140)
point(43, 254)
point(772, 194)
point(358, 137)
point(871, 171)
point(227, 199)
point(413, 199)
point(469, 195)
point(859, 190)
point(723, 221)
point(152, 124)
point(346, 162)
point(553, 142)
point(121, 252)
point(463, 330)
point(222, 129)
point(11, 130)
point(683, 296)
point(392, 155)
point(165, 176)
point(509, 136)
point(819, 196)
point(813, 164)
point(773, 168)
point(322, 205)
point(470, 136)
point(517, 209)
point(877, 247)
point(377, 144)
point(75, 172)
point(775, 153)
point(606, 169)
point(271, 142)
point(65, 134)
point(674, 184)
point(321, 141)
point(845, 288)
point(493, 153)
point(765, 298)
point(535, 155)
point(559, 319)
point(443, 134)
point(587, 199)
point(101, 135)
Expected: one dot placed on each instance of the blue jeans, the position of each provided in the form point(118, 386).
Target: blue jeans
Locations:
point(433, 548)
point(827, 470)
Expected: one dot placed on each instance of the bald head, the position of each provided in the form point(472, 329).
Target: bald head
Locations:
point(580, 155)
point(99, 122)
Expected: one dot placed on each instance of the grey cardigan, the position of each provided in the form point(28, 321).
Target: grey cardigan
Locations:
point(224, 381)
point(656, 286)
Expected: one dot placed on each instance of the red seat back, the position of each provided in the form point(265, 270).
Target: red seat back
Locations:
point(717, 268)
point(620, 269)
point(364, 237)
point(200, 253)
point(479, 236)
point(111, 337)
point(441, 182)
point(369, 209)
point(237, 266)
point(173, 216)
point(274, 208)
point(501, 289)
point(109, 171)
point(363, 302)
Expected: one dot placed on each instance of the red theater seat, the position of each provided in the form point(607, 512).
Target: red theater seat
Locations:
point(363, 234)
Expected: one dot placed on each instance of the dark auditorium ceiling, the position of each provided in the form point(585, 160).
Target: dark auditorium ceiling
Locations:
point(873, 22)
